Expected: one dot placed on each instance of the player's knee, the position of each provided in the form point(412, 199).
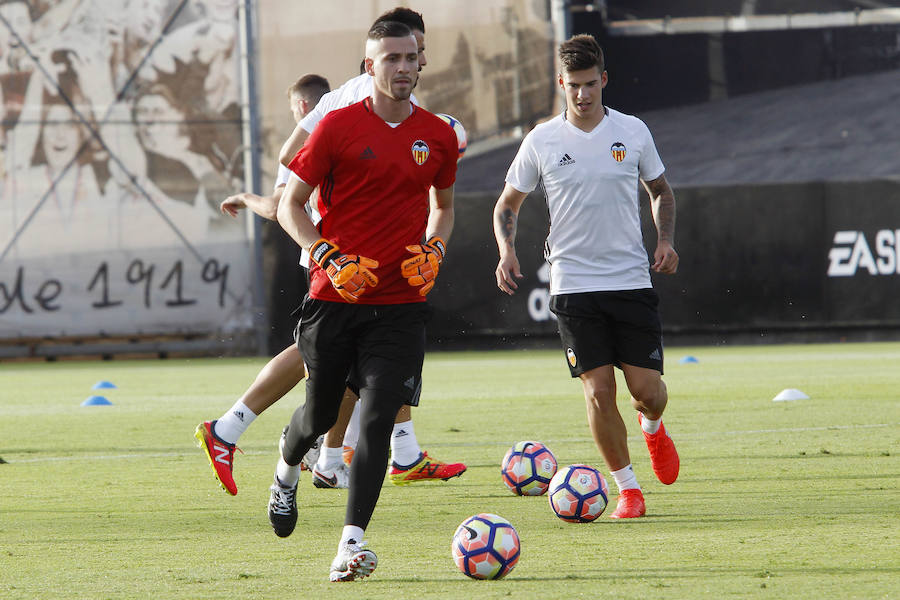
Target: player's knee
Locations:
point(650, 396)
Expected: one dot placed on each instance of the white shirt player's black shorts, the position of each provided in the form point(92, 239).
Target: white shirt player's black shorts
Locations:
point(615, 327)
point(374, 347)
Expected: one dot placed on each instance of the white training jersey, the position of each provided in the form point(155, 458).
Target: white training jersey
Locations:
point(285, 175)
point(354, 90)
point(591, 184)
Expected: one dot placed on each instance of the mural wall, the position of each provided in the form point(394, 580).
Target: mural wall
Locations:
point(121, 133)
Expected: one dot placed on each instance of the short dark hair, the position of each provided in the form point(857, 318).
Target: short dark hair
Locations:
point(404, 15)
point(581, 52)
point(385, 29)
point(310, 87)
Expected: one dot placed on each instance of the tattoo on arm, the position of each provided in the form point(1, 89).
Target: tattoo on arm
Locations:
point(508, 221)
point(662, 204)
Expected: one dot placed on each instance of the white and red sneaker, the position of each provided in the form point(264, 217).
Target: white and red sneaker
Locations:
point(219, 453)
point(353, 561)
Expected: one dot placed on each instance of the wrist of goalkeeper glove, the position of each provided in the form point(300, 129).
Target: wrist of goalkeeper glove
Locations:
point(422, 268)
point(350, 274)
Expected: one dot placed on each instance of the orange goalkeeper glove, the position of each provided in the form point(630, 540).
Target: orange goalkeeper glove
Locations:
point(422, 268)
point(349, 273)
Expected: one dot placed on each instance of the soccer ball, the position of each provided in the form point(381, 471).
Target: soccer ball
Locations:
point(458, 129)
point(527, 468)
point(578, 493)
point(485, 546)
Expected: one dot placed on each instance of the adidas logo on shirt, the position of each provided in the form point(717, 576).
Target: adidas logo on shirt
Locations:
point(566, 160)
point(367, 154)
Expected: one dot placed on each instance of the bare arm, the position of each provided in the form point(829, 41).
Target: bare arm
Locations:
point(441, 215)
point(291, 215)
point(506, 219)
point(662, 205)
point(264, 206)
point(292, 145)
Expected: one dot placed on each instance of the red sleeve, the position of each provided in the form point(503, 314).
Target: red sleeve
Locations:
point(446, 176)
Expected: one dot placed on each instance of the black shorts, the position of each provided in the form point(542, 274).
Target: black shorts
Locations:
point(353, 385)
point(381, 346)
point(602, 328)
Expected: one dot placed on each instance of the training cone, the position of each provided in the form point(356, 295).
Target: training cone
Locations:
point(687, 360)
point(790, 394)
point(96, 401)
point(104, 385)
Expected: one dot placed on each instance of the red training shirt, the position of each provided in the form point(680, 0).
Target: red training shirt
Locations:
point(373, 190)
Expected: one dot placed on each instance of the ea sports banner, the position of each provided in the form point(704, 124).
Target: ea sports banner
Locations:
point(122, 132)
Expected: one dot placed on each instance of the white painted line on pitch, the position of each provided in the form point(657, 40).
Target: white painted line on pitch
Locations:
point(176, 454)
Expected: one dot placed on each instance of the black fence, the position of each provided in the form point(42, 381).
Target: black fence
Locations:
point(801, 259)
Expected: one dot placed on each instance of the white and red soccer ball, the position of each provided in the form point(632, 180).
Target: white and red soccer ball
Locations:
point(578, 493)
point(460, 131)
point(485, 546)
point(527, 468)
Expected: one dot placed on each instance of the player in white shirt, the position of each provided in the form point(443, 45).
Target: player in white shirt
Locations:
point(282, 373)
point(589, 161)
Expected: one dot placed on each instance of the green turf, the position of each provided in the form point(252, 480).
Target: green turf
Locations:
point(775, 500)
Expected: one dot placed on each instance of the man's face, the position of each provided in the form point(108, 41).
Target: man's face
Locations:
point(395, 66)
point(297, 107)
point(584, 92)
point(420, 41)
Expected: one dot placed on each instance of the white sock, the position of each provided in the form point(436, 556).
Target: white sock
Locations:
point(287, 474)
point(234, 423)
point(330, 458)
point(351, 534)
point(625, 479)
point(405, 449)
point(351, 435)
point(649, 425)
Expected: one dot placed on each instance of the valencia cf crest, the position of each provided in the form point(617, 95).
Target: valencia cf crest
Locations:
point(420, 152)
point(570, 355)
point(618, 151)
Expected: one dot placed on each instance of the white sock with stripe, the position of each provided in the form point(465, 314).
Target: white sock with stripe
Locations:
point(405, 449)
point(234, 423)
point(351, 534)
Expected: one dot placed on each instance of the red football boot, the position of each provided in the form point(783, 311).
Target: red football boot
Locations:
point(219, 453)
point(630, 505)
point(663, 455)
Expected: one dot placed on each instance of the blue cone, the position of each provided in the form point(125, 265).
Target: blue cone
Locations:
point(103, 385)
point(688, 360)
point(96, 401)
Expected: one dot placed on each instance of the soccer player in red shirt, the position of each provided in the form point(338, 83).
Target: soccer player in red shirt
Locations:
point(374, 163)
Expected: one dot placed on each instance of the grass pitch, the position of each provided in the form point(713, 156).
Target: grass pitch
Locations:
point(775, 499)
